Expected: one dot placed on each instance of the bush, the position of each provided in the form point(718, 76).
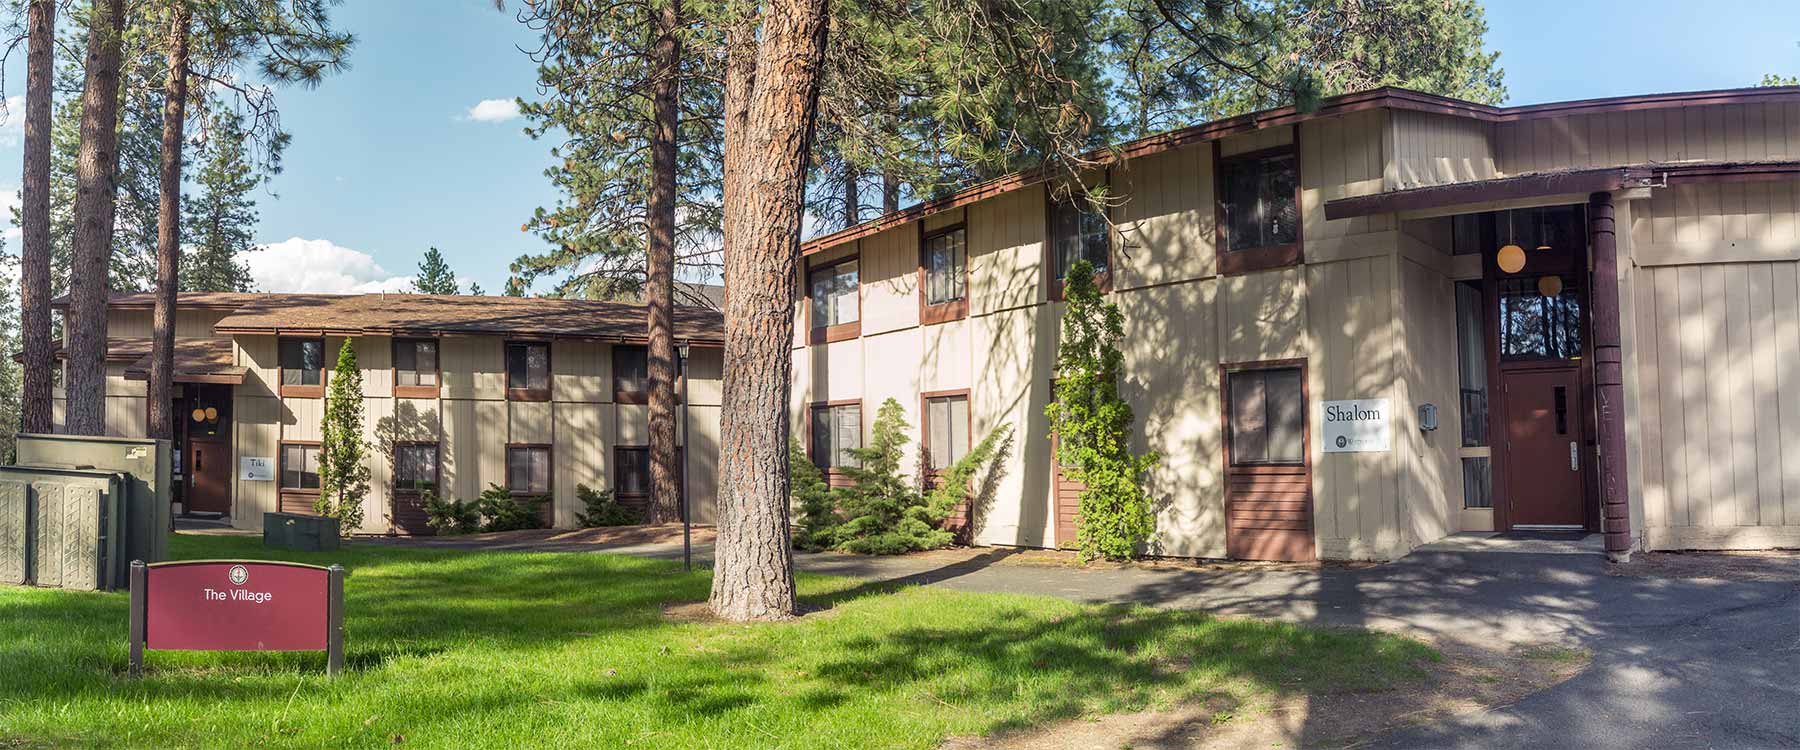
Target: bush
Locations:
point(604, 510)
point(451, 516)
point(502, 511)
point(881, 512)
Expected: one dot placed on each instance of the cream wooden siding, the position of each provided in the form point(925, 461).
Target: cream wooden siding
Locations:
point(1717, 223)
point(1172, 357)
point(1341, 157)
point(474, 366)
point(1727, 132)
point(1167, 228)
point(1433, 149)
point(889, 268)
point(1352, 322)
point(1431, 469)
point(581, 372)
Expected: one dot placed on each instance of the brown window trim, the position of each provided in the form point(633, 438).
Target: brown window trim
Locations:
point(281, 467)
point(621, 396)
point(1054, 286)
point(528, 394)
point(817, 405)
point(925, 417)
point(437, 478)
point(843, 331)
point(301, 391)
point(549, 481)
point(1225, 372)
point(956, 309)
point(641, 496)
point(1250, 260)
point(415, 391)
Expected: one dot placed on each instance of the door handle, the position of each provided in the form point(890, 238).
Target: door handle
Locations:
point(1574, 457)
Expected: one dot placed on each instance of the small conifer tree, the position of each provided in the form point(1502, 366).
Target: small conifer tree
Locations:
point(343, 470)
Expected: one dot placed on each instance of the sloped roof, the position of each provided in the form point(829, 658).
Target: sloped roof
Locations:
point(433, 315)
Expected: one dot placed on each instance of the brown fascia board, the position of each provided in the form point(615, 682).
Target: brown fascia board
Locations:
point(704, 343)
point(1386, 97)
point(1505, 188)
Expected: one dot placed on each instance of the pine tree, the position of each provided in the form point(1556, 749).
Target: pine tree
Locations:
point(220, 219)
point(11, 373)
point(91, 245)
point(34, 217)
point(1092, 424)
point(435, 276)
point(343, 465)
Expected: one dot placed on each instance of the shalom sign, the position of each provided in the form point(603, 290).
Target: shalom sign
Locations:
point(1357, 426)
point(237, 605)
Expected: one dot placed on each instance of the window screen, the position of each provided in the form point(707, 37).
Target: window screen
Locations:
point(528, 470)
point(634, 472)
point(834, 295)
point(946, 430)
point(1078, 231)
point(302, 361)
point(631, 369)
point(299, 467)
point(1257, 196)
point(1268, 416)
point(944, 275)
point(415, 468)
point(528, 367)
point(415, 362)
point(836, 429)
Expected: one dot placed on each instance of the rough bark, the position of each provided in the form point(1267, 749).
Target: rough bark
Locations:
point(753, 577)
point(852, 201)
point(665, 486)
point(34, 216)
point(168, 227)
point(890, 193)
point(95, 209)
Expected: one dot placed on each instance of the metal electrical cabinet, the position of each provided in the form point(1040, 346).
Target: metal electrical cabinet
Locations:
point(147, 520)
point(62, 527)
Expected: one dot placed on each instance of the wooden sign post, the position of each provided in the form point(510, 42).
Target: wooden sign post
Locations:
point(237, 605)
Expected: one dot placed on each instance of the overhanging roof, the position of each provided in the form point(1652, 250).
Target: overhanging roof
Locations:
point(1560, 182)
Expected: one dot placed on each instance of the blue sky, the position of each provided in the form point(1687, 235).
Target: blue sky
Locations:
point(387, 158)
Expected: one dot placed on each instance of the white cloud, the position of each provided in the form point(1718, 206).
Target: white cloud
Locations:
point(9, 200)
point(12, 123)
point(300, 265)
point(494, 110)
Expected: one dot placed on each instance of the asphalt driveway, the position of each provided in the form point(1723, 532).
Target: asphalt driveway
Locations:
point(1679, 662)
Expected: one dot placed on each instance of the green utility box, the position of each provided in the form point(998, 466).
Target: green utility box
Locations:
point(62, 528)
point(146, 522)
point(296, 531)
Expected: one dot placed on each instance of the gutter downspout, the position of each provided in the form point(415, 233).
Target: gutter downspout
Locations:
point(1609, 379)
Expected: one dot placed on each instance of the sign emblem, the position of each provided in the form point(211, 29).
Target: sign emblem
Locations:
point(238, 575)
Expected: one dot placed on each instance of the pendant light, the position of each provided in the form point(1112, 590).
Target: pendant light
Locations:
point(1511, 257)
point(1550, 286)
point(1543, 230)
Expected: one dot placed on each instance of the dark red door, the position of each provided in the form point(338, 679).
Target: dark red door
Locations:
point(1543, 442)
point(209, 450)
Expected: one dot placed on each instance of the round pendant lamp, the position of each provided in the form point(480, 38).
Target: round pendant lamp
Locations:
point(199, 415)
point(1550, 286)
point(1511, 257)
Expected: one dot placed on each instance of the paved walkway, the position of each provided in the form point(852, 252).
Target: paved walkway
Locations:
point(1678, 662)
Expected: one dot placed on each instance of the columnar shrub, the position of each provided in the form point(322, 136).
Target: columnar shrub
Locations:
point(343, 468)
point(1093, 425)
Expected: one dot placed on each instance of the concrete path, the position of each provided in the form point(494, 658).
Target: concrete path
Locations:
point(1678, 662)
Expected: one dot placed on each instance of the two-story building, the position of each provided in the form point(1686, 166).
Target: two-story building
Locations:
point(539, 396)
point(1355, 330)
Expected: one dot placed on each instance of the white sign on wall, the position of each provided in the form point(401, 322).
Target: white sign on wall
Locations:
point(1358, 426)
point(256, 469)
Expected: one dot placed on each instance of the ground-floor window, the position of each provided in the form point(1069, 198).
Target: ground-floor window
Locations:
point(1472, 385)
point(1268, 416)
point(415, 468)
point(299, 466)
point(634, 472)
point(835, 429)
point(528, 469)
point(946, 429)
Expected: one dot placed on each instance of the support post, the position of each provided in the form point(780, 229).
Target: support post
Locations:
point(139, 576)
point(1609, 379)
point(334, 622)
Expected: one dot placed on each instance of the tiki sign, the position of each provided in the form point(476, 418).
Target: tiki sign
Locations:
point(237, 605)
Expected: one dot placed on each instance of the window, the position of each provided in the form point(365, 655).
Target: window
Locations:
point(302, 366)
point(1268, 416)
point(836, 429)
point(835, 302)
point(528, 469)
point(1478, 484)
point(944, 256)
point(1078, 231)
point(416, 364)
point(415, 468)
point(1259, 200)
point(946, 429)
point(1472, 362)
point(631, 374)
point(528, 372)
point(1535, 325)
point(634, 472)
point(299, 466)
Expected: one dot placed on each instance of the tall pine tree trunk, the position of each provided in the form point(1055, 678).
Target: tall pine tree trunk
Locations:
point(665, 485)
point(34, 215)
point(96, 166)
point(852, 201)
point(168, 226)
point(753, 577)
point(890, 193)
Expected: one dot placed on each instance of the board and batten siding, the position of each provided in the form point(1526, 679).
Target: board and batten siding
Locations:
point(1435, 149)
point(1719, 132)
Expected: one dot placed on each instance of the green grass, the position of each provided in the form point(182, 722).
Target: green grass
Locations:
point(455, 649)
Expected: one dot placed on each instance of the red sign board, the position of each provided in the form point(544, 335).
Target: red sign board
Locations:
point(237, 605)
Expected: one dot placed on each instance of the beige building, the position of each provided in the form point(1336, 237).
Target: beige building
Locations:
point(539, 396)
point(1354, 331)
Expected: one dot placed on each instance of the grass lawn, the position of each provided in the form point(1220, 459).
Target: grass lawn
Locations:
point(452, 649)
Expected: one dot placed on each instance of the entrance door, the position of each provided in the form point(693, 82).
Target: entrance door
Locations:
point(1543, 438)
point(208, 460)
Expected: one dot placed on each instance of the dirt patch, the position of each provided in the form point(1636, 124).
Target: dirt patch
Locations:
point(699, 612)
point(1769, 565)
point(1468, 679)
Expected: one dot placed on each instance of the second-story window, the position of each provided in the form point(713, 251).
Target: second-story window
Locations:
point(416, 363)
point(835, 296)
point(1259, 199)
point(528, 371)
point(1078, 231)
point(302, 366)
point(944, 259)
point(631, 374)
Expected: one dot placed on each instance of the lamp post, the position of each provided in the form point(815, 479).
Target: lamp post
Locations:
point(687, 516)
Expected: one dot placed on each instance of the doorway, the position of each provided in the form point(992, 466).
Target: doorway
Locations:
point(1543, 448)
point(206, 455)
